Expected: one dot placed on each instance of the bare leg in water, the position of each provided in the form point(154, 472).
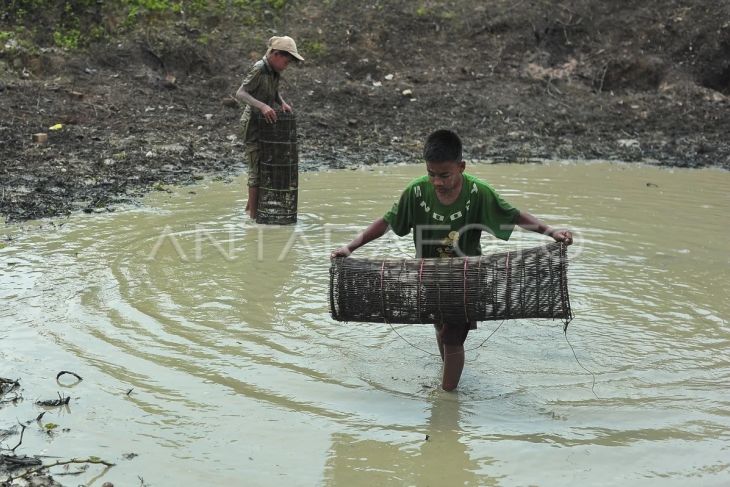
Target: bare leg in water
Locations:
point(453, 358)
point(253, 201)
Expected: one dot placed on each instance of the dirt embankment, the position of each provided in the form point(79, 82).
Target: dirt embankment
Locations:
point(519, 81)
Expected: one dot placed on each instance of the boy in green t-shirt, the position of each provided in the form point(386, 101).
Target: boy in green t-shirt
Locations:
point(447, 210)
point(260, 90)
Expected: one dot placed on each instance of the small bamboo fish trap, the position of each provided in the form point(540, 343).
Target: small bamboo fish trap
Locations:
point(278, 170)
point(530, 283)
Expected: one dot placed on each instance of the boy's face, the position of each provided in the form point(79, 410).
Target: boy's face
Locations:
point(279, 60)
point(445, 176)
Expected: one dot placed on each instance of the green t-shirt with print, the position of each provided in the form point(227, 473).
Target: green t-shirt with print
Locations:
point(454, 230)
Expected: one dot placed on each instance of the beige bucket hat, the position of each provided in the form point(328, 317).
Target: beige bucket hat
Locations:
point(284, 43)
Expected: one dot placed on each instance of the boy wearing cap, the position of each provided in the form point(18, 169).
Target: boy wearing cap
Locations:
point(260, 90)
point(447, 210)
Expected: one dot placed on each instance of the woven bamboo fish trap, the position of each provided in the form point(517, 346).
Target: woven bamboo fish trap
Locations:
point(530, 283)
point(278, 170)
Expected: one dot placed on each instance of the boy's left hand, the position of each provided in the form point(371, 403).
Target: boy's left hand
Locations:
point(565, 236)
point(285, 107)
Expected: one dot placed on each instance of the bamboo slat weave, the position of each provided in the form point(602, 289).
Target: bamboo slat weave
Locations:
point(529, 283)
point(278, 170)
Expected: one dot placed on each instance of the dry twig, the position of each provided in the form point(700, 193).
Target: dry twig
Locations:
point(92, 460)
point(61, 401)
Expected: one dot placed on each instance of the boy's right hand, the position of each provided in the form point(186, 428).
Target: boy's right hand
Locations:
point(341, 252)
point(268, 113)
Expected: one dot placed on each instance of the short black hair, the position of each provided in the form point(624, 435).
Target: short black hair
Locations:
point(442, 145)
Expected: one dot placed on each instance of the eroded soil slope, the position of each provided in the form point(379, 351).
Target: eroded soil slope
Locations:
point(518, 80)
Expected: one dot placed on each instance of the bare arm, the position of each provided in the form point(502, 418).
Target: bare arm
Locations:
point(268, 112)
point(376, 229)
point(284, 105)
point(532, 223)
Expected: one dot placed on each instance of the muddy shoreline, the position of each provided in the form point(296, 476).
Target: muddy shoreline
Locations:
point(591, 82)
point(91, 168)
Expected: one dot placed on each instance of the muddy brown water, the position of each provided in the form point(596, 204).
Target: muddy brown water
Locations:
point(238, 375)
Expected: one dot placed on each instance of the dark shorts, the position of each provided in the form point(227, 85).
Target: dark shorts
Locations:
point(454, 334)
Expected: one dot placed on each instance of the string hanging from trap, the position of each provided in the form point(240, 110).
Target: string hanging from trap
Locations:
point(523, 284)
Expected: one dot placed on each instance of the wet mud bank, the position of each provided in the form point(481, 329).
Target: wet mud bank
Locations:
point(579, 80)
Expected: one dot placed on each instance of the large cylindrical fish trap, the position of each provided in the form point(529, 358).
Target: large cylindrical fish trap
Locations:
point(530, 283)
point(278, 170)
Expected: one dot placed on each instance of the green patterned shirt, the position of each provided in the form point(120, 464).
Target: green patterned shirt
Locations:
point(453, 230)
